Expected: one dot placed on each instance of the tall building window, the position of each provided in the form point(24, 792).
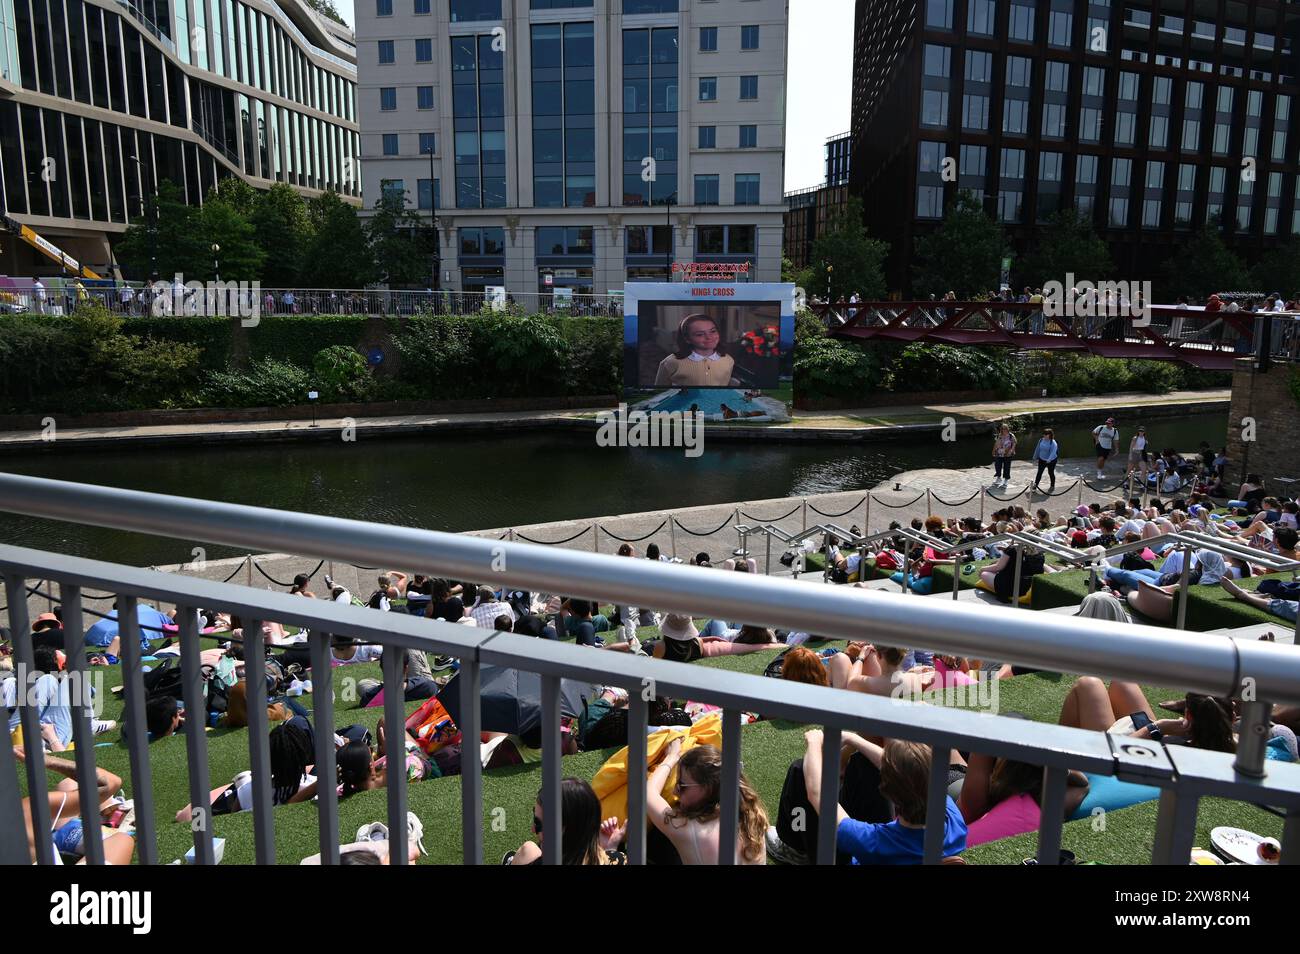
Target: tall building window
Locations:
point(1015, 105)
point(1161, 109)
point(747, 189)
point(428, 143)
point(1120, 180)
point(749, 37)
point(1152, 195)
point(394, 188)
point(385, 51)
point(708, 137)
point(749, 87)
point(1050, 165)
point(1085, 184)
point(929, 180)
point(1011, 185)
point(1056, 85)
point(706, 189)
point(388, 98)
point(478, 120)
point(1060, 24)
point(1126, 109)
point(975, 96)
point(1020, 21)
point(650, 63)
point(708, 89)
point(1215, 197)
point(748, 137)
point(564, 115)
point(1192, 117)
point(428, 194)
point(708, 39)
point(390, 144)
point(972, 169)
point(424, 51)
point(981, 15)
point(469, 10)
point(424, 97)
point(938, 14)
point(1186, 196)
point(935, 82)
point(1281, 123)
point(383, 8)
point(1222, 121)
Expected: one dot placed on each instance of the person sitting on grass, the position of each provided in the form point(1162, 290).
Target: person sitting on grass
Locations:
point(104, 636)
point(1120, 707)
point(292, 750)
point(359, 772)
point(881, 812)
point(1157, 602)
point(693, 826)
point(804, 665)
point(346, 651)
point(300, 584)
point(1281, 608)
point(877, 670)
point(586, 840)
point(49, 692)
point(68, 834)
point(442, 604)
point(1000, 575)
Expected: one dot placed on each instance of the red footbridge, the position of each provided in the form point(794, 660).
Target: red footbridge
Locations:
point(1193, 336)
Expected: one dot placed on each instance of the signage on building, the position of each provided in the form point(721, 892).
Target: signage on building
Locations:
point(548, 279)
point(710, 271)
point(566, 273)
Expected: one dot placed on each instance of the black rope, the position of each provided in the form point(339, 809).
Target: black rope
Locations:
point(637, 539)
point(355, 567)
point(959, 503)
point(552, 543)
point(697, 534)
point(896, 506)
point(504, 535)
point(850, 510)
point(91, 612)
point(1014, 496)
point(1060, 493)
point(30, 591)
point(236, 570)
point(277, 582)
point(1102, 490)
point(750, 516)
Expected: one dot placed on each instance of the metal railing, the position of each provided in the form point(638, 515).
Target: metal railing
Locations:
point(1201, 663)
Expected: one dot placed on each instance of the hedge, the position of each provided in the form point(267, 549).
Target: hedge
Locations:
point(212, 336)
point(297, 338)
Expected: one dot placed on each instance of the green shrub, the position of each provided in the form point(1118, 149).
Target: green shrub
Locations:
point(832, 368)
point(341, 373)
point(935, 367)
point(297, 338)
point(266, 383)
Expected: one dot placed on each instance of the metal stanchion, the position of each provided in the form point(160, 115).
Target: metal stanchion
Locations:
point(672, 531)
point(1183, 581)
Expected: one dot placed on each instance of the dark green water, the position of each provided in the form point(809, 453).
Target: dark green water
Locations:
point(496, 480)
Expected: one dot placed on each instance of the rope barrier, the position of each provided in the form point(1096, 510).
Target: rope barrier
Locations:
point(1101, 490)
point(697, 534)
point(236, 570)
point(635, 539)
point(553, 543)
point(959, 503)
point(750, 516)
point(1014, 496)
point(897, 506)
point(1061, 493)
point(87, 610)
point(277, 582)
point(30, 591)
point(833, 515)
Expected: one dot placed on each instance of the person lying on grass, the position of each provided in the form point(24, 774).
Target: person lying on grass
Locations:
point(693, 826)
point(1157, 602)
point(877, 670)
point(358, 771)
point(1281, 608)
point(292, 746)
point(65, 813)
point(1121, 708)
point(881, 812)
point(586, 839)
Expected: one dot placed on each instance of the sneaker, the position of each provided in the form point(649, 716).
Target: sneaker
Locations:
point(441, 662)
point(415, 832)
point(100, 726)
point(375, 831)
point(329, 582)
point(508, 858)
point(781, 853)
point(635, 645)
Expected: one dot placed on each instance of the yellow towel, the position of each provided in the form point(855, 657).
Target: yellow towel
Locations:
point(610, 783)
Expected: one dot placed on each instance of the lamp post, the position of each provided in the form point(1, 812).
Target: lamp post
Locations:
point(216, 268)
point(668, 219)
point(153, 226)
point(830, 272)
point(433, 218)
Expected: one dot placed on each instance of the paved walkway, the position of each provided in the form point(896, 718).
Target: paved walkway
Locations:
point(829, 425)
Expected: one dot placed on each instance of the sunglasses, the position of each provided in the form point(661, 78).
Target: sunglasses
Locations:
point(681, 785)
point(537, 825)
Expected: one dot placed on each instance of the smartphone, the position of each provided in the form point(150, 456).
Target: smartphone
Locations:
point(1141, 721)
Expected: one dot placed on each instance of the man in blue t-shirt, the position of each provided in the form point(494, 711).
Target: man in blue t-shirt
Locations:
point(104, 634)
point(904, 769)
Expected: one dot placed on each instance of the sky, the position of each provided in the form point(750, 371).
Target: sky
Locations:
point(819, 86)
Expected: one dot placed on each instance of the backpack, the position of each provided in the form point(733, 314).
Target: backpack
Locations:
point(167, 679)
point(774, 667)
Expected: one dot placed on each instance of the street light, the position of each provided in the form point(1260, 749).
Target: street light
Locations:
point(153, 229)
point(433, 216)
point(216, 269)
point(668, 218)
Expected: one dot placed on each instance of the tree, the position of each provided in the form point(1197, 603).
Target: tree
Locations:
point(237, 194)
point(168, 231)
point(338, 253)
point(326, 9)
point(239, 258)
point(399, 244)
point(1201, 267)
point(847, 258)
point(283, 233)
point(963, 255)
point(1066, 245)
point(1279, 271)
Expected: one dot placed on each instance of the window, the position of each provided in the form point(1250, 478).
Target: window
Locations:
point(422, 7)
point(741, 239)
point(974, 113)
point(749, 87)
point(393, 188)
point(938, 60)
point(747, 189)
point(1020, 21)
point(749, 38)
point(424, 51)
point(385, 51)
point(428, 144)
point(748, 137)
point(383, 8)
point(424, 97)
point(938, 14)
point(929, 202)
point(708, 137)
point(388, 98)
point(428, 196)
point(390, 144)
point(1060, 25)
point(467, 10)
point(710, 240)
point(980, 16)
point(934, 107)
point(649, 6)
point(708, 39)
point(706, 190)
point(649, 240)
point(1009, 202)
point(708, 89)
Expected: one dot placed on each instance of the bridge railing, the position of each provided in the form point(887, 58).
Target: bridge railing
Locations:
point(1199, 662)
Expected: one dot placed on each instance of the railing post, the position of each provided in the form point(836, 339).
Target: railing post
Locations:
point(1175, 827)
point(196, 739)
point(259, 757)
point(804, 516)
point(1052, 816)
point(1015, 592)
point(552, 845)
point(595, 537)
point(322, 678)
point(392, 662)
point(471, 768)
point(1183, 581)
point(729, 809)
point(83, 735)
point(767, 560)
point(866, 515)
point(672, 532)
point(29, 719)
point(936, 805)
point(1252, 740)
point(827, 822)
point(638, 717)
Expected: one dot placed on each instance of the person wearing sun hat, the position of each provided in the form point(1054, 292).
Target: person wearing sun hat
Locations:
point(681, 640)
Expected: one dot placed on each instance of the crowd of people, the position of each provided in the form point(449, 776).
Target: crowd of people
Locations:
point(881, 813)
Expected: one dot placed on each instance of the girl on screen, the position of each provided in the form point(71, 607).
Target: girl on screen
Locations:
point(700, 361)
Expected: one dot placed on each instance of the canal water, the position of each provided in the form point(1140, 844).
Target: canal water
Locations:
point(510, 478)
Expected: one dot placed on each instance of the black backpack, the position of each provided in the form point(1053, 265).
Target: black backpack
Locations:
point(167, 679)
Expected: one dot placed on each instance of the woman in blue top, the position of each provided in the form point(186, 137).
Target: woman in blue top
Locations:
point(1045, 454)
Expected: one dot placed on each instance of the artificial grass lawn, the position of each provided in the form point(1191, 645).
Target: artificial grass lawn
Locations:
point(508, 794)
